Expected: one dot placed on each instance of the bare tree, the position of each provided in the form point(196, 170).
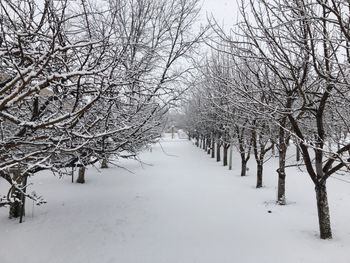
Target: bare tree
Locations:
point(83, 82)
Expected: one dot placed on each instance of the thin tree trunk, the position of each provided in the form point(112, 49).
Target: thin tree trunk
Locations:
point(282, 151)
point(218, 148)
point(230, 157)
point(16, 207)
point(23, 198)
point(213, 148)
point(243, 166)
point(81, 175)
point(225, 157)
point(298, 153)
point(281, 191)
point(259, 175)
point(208, 146)
point(323, 211)
point(258, 158)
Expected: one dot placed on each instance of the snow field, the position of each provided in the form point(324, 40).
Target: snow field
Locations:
point(184, 207)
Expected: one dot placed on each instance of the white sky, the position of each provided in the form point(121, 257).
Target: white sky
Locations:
point(224, 11)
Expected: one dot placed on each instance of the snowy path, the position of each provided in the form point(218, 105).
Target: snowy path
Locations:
point(184, 208)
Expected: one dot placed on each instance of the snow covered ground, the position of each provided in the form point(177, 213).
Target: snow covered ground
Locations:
point(184, 207)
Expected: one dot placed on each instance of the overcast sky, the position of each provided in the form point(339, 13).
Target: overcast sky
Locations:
point(224, 11)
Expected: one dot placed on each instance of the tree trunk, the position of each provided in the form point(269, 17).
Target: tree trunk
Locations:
point(23, 198)
point(230, 158)
point(298, 153)
point(72, 175)
point(218, 148)
point(213, 148)
point(243, 167)
point(208, 146)
point(104, 163)
point(259, 174)
point(282, 151)
point(281, 191)
point(225, 154)
point(323, 211)
point(273, 150)
point(81, 175)
point(16, 207)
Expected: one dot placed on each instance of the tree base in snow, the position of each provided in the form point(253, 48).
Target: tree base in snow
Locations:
point(104, 164)
point(81, 175)
point(15, 210)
